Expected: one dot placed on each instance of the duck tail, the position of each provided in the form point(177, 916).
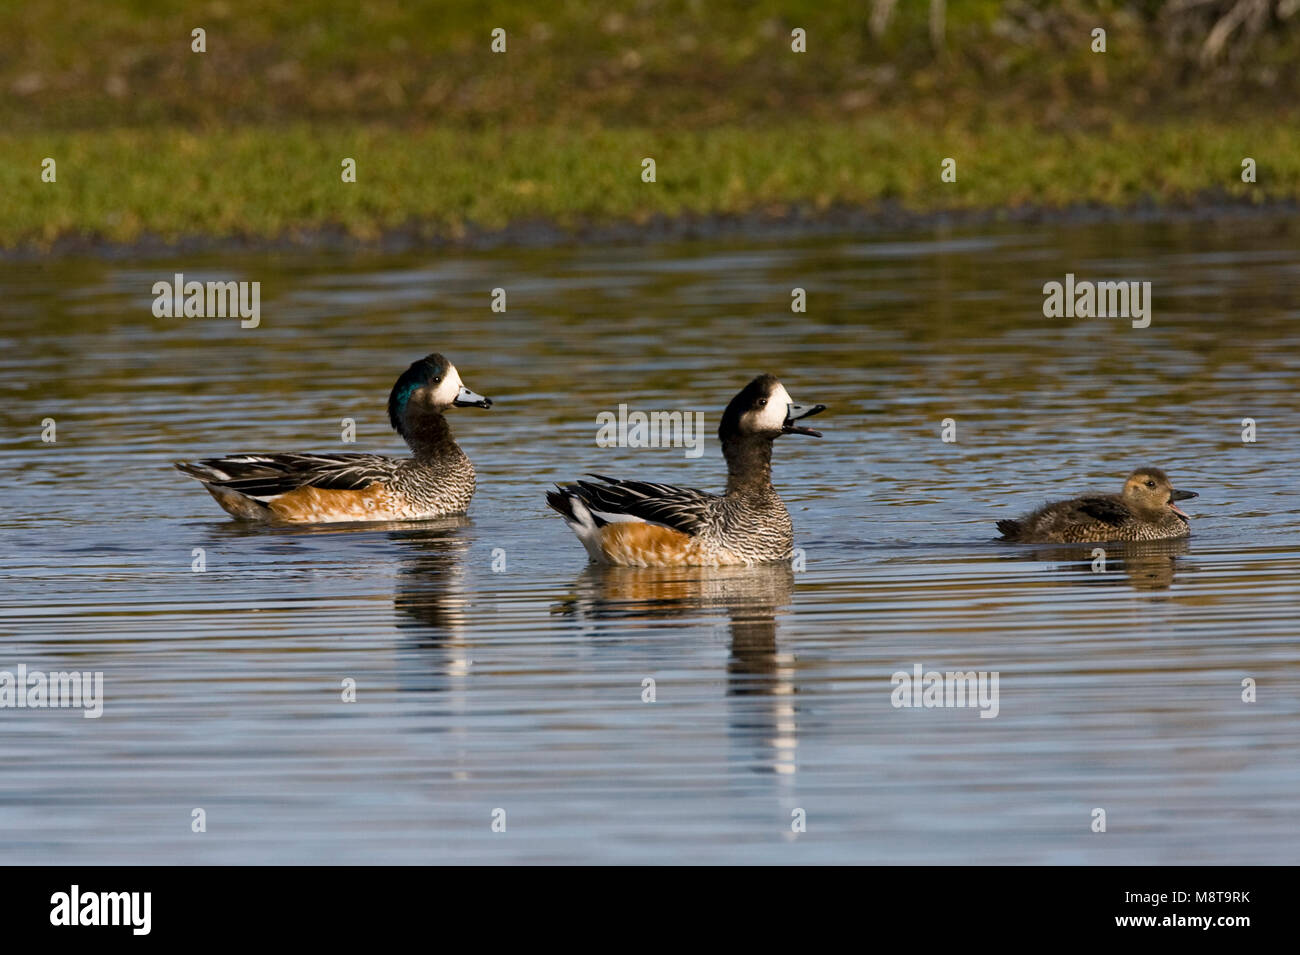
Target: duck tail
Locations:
point(1009, 529)
point(202, 470)
point(587, 526)
point(558, 501)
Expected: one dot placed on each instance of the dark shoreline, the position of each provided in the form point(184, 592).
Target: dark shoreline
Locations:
point(795, 222)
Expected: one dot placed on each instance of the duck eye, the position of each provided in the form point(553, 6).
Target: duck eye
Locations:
point(762, 402)
point(437, 379)
point(1151, 484)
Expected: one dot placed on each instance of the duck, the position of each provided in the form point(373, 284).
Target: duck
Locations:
point(1144, 510)
point(641, 524)
point(303, 488)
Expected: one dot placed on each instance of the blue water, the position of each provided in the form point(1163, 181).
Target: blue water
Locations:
point(521, 688)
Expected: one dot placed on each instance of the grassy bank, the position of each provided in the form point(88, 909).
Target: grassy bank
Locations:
point(246, 139)
point(259, 182)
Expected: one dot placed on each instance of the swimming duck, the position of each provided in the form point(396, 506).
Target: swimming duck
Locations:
point(639, 524)
point(320, 488)
point(1143, 511)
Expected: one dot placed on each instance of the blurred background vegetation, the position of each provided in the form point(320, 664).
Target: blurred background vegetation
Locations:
point(117, 79)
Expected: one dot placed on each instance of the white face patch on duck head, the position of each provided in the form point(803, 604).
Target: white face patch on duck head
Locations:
point(445, 391)
point(771, 417)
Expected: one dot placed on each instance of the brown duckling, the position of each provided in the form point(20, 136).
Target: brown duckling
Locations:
point(1143, 511)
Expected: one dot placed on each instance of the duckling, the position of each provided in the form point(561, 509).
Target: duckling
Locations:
point(438, 480)
point(639, 524)
point(1143, 511)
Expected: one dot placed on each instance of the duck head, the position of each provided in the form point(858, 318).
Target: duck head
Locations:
point(429, 387)
point(1149, 490)
point(765, 409)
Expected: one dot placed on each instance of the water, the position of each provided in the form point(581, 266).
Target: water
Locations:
point(522, 689)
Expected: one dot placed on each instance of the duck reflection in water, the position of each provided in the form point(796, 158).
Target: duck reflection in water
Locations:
point(431, 603)
point(760, 677)
point(1144, 565)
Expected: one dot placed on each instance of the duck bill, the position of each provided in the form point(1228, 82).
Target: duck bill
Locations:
point(1180, 496)
point(468, 399)
point(795, 413)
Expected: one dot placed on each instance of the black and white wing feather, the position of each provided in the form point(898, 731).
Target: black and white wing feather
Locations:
point(264, 477)
point(682, 508)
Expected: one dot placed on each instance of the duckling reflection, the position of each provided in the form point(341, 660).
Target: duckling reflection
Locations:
point(757, 671)
point(1146, 565)
point(431, 603)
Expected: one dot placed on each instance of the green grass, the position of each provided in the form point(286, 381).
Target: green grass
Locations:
point(260, 182)
point(246, 139)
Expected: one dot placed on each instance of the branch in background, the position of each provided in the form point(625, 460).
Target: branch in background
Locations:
point(936, 24)
point(882, 11)
point(1252, 13)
